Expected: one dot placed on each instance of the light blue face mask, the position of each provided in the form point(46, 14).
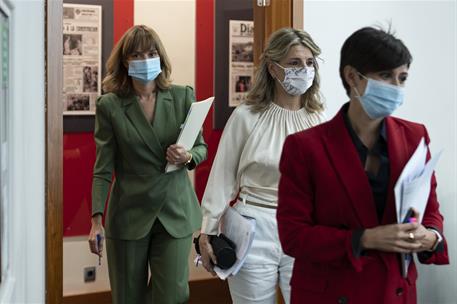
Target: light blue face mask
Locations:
point(145, 70)
point(380, 99)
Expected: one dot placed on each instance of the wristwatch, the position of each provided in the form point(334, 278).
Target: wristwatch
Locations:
point(189, 160)
point(439, 238)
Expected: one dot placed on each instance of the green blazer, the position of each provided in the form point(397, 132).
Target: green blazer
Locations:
point(134, 150)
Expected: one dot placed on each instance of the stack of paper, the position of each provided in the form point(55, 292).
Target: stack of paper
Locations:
point(240, 230)
point(192, 126)
point(413, 188)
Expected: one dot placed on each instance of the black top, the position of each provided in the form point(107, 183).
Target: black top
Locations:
point(379, 182)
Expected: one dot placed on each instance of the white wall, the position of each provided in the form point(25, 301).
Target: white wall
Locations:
point(174, 21)
point(76, 257)
point(24, 280)
point(428, 28)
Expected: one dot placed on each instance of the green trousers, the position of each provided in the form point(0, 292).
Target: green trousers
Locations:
point(166, 257)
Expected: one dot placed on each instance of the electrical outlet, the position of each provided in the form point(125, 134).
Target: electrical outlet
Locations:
point(89, 274)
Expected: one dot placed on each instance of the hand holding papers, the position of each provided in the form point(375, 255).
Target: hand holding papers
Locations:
point(413, 188)
point(192, 126)
point(240, 230)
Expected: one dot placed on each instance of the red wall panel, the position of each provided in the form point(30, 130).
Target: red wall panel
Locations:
point(78, 162)
point(123, 17)
point(204, 80)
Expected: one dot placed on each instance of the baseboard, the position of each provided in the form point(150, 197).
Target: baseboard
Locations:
point(209, 291)
point(201, 292)
point(89, 298)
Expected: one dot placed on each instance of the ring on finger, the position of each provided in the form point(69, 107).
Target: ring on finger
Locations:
point(411, 236)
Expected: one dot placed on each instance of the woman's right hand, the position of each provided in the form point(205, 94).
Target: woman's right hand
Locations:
point(95, 246)
point(392, 238)
point(207, 254)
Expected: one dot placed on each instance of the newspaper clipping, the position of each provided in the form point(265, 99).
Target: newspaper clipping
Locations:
point(81, 58)
point(241, 63)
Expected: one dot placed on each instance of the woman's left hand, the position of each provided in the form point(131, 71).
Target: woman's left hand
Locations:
point(423, 235)
point(426, 237)
point(177, 155)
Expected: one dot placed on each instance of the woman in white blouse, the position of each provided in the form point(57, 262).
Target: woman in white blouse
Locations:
point(284, 99)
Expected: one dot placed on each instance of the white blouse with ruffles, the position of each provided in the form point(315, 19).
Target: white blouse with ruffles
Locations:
point(247, 158)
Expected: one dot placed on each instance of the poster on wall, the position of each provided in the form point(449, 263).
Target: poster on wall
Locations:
point(82, 33)
point(241, 60)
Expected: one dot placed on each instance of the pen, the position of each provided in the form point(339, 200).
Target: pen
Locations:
point(99, 239)
point(409, 214)
point(198, 260)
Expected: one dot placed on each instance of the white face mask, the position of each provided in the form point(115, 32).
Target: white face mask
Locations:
point(297, 80)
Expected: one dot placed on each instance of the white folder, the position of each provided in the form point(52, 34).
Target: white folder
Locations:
point(192, 126)
point(240, 230)
point(412, 189)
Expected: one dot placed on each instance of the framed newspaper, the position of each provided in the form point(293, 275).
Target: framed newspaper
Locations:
point(241, 60)
point(82, 51)
point(233, 31)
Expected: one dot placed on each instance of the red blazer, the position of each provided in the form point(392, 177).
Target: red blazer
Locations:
point(324, 196)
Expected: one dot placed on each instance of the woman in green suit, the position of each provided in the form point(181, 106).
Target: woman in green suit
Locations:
point(151, 214)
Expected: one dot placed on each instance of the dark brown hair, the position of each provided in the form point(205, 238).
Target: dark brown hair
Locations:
point(137, 38)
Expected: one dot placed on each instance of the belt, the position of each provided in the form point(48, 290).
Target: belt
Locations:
point(257, 204)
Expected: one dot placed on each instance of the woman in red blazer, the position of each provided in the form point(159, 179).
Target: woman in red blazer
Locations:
point(336, 210)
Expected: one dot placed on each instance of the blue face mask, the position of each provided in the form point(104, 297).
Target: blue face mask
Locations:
point(145, 70)
point(380, 99)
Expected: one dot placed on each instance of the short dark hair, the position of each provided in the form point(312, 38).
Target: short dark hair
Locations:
point(372, 50)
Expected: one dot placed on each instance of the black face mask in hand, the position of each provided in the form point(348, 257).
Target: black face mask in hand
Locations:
point(223, 248)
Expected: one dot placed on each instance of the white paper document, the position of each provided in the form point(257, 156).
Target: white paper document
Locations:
point(240, 230)
point(413, 189)
point(413, 186)
point(192, 126)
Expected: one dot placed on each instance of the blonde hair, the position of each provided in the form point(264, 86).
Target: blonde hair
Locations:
point(279, 44)
point(137, 38)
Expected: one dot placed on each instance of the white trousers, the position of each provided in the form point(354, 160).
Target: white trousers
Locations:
point(266, 265)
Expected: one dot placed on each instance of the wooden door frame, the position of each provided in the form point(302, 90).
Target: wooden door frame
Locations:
point(267, 19)
point(54, 152)
point(275, 15)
